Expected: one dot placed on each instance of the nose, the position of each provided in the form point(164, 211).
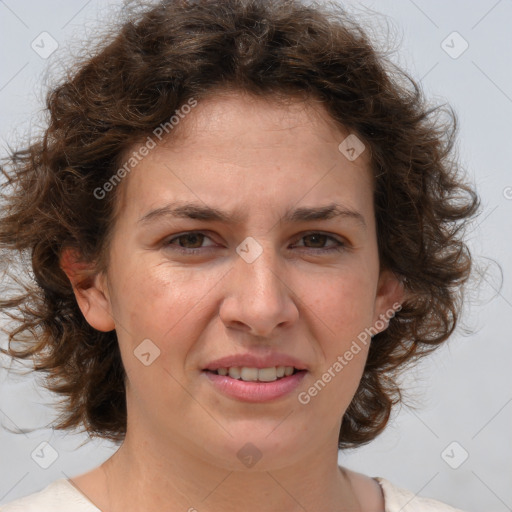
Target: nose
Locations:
point(258, 300)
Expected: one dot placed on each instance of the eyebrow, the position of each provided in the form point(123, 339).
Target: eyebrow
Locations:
point(207, 213)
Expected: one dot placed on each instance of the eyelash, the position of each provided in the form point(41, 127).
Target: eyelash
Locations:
point(340, 247)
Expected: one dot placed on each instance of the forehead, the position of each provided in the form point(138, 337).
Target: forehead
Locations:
point(253, 122)
point(237, 146)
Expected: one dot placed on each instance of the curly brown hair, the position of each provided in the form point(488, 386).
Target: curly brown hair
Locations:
point(162, 56)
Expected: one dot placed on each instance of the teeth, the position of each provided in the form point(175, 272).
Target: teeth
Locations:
point(234, 372)
point(248, 374)
point(267, 374)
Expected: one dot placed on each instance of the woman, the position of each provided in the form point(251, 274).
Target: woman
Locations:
point(242, 224)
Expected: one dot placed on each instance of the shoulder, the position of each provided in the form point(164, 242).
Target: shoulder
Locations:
point(401, 500)
point(376, 494)
point(62, 496)
point(59, 496)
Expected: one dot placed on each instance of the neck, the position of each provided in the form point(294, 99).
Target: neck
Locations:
point(142, 475)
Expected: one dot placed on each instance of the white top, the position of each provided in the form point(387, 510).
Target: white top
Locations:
point(62, 496)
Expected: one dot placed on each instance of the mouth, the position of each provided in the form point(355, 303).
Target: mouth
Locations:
point(252, 374)
point(256, 385)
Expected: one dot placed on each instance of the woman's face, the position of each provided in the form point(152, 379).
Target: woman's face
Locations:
point(224, 255)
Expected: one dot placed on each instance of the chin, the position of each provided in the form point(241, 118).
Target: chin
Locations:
point(264, 446)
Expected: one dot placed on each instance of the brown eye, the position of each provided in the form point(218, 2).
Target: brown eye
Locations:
point(317, 242)
point(189, 243)
point(190, 240)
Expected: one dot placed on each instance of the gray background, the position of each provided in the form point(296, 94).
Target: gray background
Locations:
point(463, 393)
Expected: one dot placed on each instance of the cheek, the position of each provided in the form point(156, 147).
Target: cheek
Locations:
point(343, 305)
point(340, 310)
point(166, 306)
point(160, 302)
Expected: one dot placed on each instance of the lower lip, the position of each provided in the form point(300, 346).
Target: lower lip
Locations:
point(255, 391)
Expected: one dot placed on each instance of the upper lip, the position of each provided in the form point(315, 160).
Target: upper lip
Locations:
point(255, 361)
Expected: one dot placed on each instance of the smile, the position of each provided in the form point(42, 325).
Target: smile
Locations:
point(256, 385)
point(249, 374)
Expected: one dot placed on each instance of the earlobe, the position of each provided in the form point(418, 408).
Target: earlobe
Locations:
point(90, 289)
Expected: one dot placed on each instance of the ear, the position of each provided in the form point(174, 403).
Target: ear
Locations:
point(90, 289)
point(388, 300)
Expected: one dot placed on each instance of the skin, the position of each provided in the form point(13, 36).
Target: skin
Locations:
point(264, 158)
